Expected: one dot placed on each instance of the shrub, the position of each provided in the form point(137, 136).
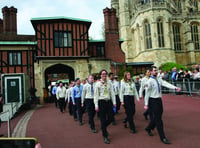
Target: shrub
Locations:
point(169, 65)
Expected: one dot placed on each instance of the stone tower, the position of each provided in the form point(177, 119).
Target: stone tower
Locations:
point(159, 31)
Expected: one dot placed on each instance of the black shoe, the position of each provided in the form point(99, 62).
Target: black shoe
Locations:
point(133, 131)
point(106, 141)
point(1, 135)
point(125, 125)
point(113, 123)
point(124, 121)
point(75, 119)
point(149, 132)
point(94, 130)
point(145, 116)
point(165, 141)
point(80, 123)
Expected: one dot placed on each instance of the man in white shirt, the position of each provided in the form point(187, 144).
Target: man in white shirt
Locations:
point(104, 100)
point(154, 103)
point(88, 98)
point(111, 80)
point(60, 95)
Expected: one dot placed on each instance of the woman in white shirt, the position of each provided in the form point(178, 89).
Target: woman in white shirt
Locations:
point(127, 93)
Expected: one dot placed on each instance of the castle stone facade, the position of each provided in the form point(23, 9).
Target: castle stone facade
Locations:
point(159, 31)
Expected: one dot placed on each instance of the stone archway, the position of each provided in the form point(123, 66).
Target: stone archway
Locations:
point(57, 72)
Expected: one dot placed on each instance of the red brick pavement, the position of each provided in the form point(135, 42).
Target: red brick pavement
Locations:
point(181, 121)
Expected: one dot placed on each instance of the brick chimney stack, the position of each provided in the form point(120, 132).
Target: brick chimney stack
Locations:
point(112, 46)
point(9, 20)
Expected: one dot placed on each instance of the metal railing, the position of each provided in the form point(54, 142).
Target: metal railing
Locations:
point(8, 119)
point(189, 87)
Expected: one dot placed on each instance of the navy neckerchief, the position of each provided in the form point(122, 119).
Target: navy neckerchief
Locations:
point(92, 89)
point(153, 77)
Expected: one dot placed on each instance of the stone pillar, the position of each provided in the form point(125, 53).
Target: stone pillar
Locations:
point(188, 42)
point(125, 32)
point(154, 35)
point(115, 5)
point(39, 84)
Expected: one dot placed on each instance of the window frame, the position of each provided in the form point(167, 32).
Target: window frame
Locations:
point(195, 36)
point(63, 39)
point(160, 32)
point(15, 58)
point(177, 37)
point(147, 35)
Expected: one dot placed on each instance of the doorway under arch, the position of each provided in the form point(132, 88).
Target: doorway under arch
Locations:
point(58, 72)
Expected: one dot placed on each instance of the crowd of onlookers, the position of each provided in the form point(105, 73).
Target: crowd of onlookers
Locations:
point(188, 80)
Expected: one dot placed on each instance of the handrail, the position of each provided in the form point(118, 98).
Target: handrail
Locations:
point(8, 120)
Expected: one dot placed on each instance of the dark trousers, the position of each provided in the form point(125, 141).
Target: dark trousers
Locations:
point(156, 110)
point(118, 102)
point(61, 104)
point(91, 111)
point(70, 106)
point(55, 100)
point(79, 108)
point(129, 104)
point(74, 109)
point(106, 115)
point(146, 113)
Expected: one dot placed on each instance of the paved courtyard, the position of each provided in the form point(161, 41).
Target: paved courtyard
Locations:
point(55, 129)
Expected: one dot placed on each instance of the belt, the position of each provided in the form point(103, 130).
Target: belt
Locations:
point(104, 100)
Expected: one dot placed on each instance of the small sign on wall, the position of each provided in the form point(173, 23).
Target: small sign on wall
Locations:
point(13, 83)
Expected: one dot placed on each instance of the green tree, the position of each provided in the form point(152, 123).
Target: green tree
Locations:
point(169, 65)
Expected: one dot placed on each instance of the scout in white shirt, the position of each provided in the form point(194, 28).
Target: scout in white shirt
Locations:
point(60, 95)
point(104, 100)
point(88, 97)
point(117, 90)
point(127, 93)
point(142, 90)
point(154, 102)
point(69, 99)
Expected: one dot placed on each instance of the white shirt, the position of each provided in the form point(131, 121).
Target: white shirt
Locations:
point(128, 89)
point(152, 90)
point(87, 92)
point(60, 92)
point(115, 86)
point(196, 75)
point(67, 97)
point(103, 91)
point(142, 85)
point(160, 75)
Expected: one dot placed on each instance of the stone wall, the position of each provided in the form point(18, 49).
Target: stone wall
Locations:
point(80, 68)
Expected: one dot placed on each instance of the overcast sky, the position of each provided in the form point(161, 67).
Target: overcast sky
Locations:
point(84, 9)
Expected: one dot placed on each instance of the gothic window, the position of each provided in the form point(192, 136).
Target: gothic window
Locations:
point(177, 37)
point(148, 35)
point(15, 58)
point(178, 4)
point(161, 42)
point(62, 39)
point(196, 4)
point(195, 36)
